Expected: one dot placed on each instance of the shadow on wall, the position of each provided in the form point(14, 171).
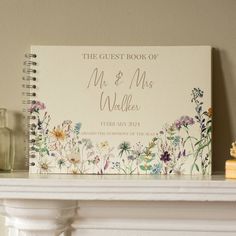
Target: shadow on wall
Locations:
point(222, 132)
point(20, 162)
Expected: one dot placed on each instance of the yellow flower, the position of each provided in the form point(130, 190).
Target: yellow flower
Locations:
point(73, 158)
point(233, 150)
point(210, 112)
point(44, 166)
point(58, 134)
point(148, 158)
point(103, 145)
point(75, 172)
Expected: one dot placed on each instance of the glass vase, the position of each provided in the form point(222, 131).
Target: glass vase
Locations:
point(6, 143)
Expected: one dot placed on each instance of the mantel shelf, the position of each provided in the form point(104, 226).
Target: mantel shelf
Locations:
point(116, 187)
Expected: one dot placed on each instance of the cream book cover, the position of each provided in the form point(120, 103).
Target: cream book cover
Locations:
point(121, 110)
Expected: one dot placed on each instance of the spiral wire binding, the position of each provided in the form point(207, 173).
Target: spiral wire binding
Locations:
point(29, 94)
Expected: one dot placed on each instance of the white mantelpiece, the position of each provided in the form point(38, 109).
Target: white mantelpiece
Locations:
point(118, 205)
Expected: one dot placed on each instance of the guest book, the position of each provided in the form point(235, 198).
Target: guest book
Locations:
point(119, 109)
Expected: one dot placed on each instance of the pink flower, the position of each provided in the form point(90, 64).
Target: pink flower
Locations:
point(37, 106)
point(106, 164)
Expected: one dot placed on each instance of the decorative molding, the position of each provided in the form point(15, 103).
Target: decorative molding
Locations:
point(145, 218)
point(146, 188)
point(117, 205)
point(38, 217)
point(155, 225)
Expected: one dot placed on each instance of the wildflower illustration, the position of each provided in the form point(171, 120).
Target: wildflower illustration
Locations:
point(176, 149)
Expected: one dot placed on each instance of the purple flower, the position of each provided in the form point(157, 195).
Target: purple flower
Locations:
point(179, 155)
point(183, 121)
point(131, 158)
point(182, 154)
point(178, 124)
point(165, 157)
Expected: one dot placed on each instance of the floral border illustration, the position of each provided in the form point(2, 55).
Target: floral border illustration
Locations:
point(61, 149)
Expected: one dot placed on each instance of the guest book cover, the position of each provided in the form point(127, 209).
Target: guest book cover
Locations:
point(121, 110)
